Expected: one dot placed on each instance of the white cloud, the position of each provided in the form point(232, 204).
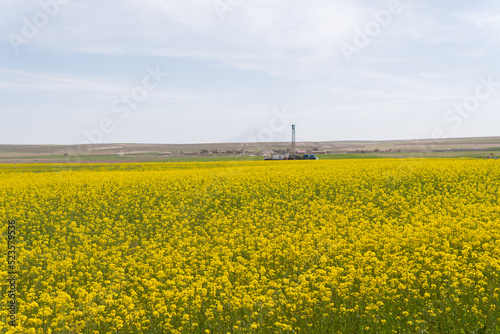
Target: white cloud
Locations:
point(489, 20)
point(273, 36)
point(19, 80)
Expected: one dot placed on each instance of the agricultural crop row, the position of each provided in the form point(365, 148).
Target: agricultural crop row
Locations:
point(379, 246)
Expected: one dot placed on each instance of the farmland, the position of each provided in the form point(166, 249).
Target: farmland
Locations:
point(130, 153)
point(328, 246)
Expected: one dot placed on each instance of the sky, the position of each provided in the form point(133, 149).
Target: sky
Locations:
point(206, 71)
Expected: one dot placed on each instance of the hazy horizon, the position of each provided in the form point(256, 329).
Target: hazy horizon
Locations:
point(257, 142)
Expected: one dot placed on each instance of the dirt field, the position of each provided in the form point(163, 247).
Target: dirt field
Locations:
point(112, 153)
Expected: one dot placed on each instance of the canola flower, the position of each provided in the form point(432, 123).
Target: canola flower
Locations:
point(378, 246)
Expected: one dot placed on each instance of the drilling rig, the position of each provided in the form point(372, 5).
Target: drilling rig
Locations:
point(293, 154)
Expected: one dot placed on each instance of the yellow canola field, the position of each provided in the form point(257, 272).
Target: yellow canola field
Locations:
point(348, 246)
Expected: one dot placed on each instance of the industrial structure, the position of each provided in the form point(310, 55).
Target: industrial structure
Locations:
point(293, 153)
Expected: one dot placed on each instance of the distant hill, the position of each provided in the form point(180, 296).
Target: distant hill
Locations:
point(240, 147)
